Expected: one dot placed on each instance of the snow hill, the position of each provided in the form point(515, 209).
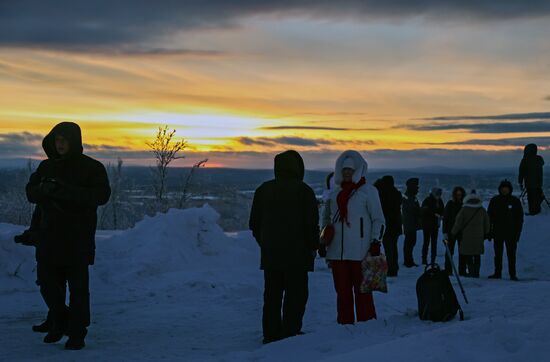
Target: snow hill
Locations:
point(176, 287)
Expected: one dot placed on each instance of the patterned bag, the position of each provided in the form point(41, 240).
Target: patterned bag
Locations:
point(375, 269)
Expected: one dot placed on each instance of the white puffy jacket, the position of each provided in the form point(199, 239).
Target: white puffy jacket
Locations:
point(365, 216)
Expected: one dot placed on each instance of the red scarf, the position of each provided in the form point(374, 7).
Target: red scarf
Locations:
point(343, 197)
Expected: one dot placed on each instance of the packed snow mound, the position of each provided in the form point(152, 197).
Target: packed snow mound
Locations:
point(168, 242)
point(17, 262)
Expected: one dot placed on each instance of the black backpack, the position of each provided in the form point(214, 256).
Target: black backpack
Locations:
point(436, 297)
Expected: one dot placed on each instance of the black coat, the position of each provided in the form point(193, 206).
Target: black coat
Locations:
point(68, 191)
point(430, 207)
point(284, 218)
point(449, 215)
point(391, 200)
point(530, 168)
point(506, 215)
point(411, 214)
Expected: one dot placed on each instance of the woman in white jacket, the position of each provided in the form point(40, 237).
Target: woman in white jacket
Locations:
point(355, 211)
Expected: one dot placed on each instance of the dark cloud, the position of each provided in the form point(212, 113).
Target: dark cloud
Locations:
point(547, 98)
point(315, 128)
point(286, 141)
point(498, 117)
point(61, 23)
point(20, 144)
point(496, 127)
point(518, 141)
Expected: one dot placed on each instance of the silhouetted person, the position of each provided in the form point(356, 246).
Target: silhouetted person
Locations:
point(391, 200)
point(472, 223)
point(530, 177)
point(355, 211)
point(411, 220)
point(449, 216)
point(506, 215)
point(285, 222)
point(68, 187)
point(432, 212)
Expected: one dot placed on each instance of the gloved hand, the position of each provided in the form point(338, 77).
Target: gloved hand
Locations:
point(375, 248)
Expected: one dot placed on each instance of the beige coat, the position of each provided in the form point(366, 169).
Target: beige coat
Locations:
point(471, 226)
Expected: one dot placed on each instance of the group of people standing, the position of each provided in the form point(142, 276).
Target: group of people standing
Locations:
point(362, 216)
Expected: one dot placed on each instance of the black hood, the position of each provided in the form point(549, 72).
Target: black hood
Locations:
point(289, 164)
point(412, 186)
point(505, 183)
point(530, 150)
point(461, 189)
point(71, 132)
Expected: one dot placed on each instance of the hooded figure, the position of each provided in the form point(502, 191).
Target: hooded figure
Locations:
point(391, 200)
point(454, 205)
point(530, 177)
point(506, 216)
point(472, 224)
point(284, 220)
point(355, 211)
point(68, 187)
point(411, 220)
point(432, 213)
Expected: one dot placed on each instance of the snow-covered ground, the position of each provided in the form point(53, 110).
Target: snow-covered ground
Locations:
point(176, 287)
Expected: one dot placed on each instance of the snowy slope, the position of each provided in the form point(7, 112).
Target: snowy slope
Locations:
point(176, 287)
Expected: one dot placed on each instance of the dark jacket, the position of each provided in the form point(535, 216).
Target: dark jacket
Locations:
point(391, 200)
point(451, 210)
point(530, 168)
point(284, 218)
point(430, 207)
point(506, 216)
point(411, 214)
point(68, 191)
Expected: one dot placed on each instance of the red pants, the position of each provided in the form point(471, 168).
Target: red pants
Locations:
point(347, 277)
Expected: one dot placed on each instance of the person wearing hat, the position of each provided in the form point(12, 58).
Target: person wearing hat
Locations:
point(472, 223)
point(506, 215)
point(410, 210)
point(355, 212)
point(432, 212)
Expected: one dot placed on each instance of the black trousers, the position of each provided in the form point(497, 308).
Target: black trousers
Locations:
point(511, 248)
point(461, 265)
point(430, 237)
point(390, 247)
point(534, 198)
point(287, 290)
point(50, 317)
point(53, 281)
point(473, 264)
point(408, 247)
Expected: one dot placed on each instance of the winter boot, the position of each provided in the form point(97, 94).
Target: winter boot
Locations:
point(514, 278)
point(495, 276)
point(41, 328)
point(75, 344)
point(53, 337)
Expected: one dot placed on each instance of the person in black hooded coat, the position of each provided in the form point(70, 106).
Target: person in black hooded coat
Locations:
point(68, 187)
point(506, 216)
point(530, 177)
point(391, 200)
point(452, 209)
point(411, 220)
point(284, 220)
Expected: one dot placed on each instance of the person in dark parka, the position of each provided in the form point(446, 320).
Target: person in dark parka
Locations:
point(449, 216)
point(391, 200)
point(506, 216)
point(530, 177)
point(284, 220)
point(68, 187)
point(432, 212)
point(411, 220)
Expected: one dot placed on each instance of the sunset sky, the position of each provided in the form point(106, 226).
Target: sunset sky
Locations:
point(408, 83)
